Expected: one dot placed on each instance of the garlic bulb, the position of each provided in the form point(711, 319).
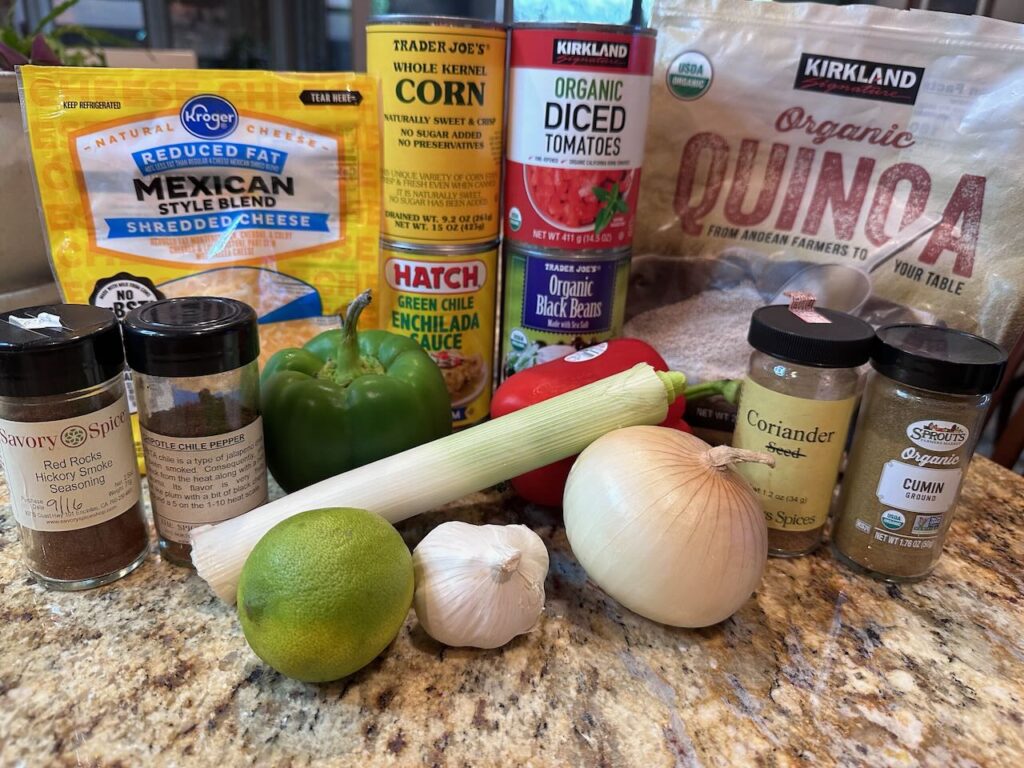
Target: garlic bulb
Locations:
point(662, 523)
point(479, 585)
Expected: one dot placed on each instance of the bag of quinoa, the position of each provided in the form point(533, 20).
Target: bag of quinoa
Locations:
point(783, 137)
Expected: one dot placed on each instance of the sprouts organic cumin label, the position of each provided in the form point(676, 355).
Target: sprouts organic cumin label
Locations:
point(578, 101)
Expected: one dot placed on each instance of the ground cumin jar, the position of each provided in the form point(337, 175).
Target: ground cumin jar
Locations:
point(66, 445)
point(920, 420)
point(197, 384)
point(796, 405)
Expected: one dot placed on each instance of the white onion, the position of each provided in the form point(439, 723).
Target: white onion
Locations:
point(662, 523)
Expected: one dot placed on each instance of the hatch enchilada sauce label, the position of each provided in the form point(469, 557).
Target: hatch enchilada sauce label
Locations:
point(445, 300)
point(442, 102)
point(578, 103)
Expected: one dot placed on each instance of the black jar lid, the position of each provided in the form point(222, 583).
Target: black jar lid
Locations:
point(193, 336)
point(843, 342)
point(938, 359)
point(82, 351)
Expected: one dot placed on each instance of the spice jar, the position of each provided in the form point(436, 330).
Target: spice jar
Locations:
point(196, 375)
point(66, 445)
point(796, 404)
point(922, 414)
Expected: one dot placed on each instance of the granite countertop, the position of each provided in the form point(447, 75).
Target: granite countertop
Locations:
point(821, 666)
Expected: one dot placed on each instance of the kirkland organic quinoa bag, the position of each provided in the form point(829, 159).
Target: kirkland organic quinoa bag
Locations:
point(783, 136)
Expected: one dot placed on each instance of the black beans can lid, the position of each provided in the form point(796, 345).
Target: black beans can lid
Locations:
point(55, 349)
point(938, 359)
point(193, 336)
point(843, 342)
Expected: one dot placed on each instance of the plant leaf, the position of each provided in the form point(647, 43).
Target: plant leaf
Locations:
point(601, 194)
point(11, 58)
point(53, 14)
point(42, 53)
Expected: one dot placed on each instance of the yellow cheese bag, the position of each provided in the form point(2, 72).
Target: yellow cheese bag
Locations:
point(260, 186)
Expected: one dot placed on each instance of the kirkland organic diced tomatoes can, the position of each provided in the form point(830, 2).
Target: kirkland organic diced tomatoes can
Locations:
point(556, 302)
point(442, 101)
point(445, 299)
point(578, 101)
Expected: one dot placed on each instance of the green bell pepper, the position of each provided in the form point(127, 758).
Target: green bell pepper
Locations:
point(346, 399)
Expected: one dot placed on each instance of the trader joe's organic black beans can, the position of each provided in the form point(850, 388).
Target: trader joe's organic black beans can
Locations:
point(556, 302)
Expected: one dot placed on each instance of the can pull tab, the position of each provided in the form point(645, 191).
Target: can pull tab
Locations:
point(801, 304)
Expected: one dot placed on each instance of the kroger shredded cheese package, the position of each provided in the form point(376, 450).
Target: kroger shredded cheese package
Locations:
point(260, 186)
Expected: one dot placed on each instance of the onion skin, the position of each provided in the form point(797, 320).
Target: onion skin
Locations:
point(662, 523)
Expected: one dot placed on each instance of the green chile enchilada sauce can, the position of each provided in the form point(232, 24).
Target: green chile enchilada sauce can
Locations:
point(556, 302)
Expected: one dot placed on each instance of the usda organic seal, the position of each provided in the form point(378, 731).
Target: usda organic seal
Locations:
point(689, 76)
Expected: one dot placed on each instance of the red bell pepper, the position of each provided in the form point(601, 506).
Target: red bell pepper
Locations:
point(546, 485)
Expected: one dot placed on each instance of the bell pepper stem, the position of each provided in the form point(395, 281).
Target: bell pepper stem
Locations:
point(348, 363)
point(727, 388)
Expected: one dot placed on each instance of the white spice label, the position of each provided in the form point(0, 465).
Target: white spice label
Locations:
point(918, 489)
point(195, 481)
point(72, 473)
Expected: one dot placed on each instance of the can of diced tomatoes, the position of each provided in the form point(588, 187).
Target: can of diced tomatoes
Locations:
point(577, 115)
point(445, 299)
point(556, 302)
point(442, 95)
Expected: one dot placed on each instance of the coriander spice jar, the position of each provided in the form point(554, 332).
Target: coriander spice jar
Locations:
point(796, 405)
point(66, 445)
point(922, 414)
point(196, 376)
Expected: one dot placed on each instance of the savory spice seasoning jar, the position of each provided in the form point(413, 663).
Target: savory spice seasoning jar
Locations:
point(196, 375)
point(919, 423)
point(796, 405)
point(66, 445)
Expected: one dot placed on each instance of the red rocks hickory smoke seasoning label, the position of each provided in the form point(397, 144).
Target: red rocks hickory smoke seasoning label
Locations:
point(578, 101)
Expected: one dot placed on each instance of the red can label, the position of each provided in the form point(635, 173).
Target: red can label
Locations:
point(578, 103)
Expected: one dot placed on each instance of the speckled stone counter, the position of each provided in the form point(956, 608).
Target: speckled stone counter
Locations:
point(820, 667)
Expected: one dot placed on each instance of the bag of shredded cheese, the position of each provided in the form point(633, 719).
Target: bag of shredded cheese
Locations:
point(260, 186)
point(863, 154)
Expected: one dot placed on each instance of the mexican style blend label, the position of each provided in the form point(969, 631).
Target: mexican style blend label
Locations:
point(443, 98)
point(578, 103)
point(446, 302)
point(555, 304)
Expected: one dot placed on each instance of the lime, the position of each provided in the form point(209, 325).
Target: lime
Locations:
point(324, 592)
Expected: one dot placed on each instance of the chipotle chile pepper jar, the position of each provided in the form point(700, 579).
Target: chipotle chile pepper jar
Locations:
point(197, 382)
point(66, 445)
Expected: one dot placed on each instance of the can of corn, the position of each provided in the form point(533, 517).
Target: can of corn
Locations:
point(442, 106)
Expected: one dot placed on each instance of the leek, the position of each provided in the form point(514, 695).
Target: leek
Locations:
point(446, 469)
